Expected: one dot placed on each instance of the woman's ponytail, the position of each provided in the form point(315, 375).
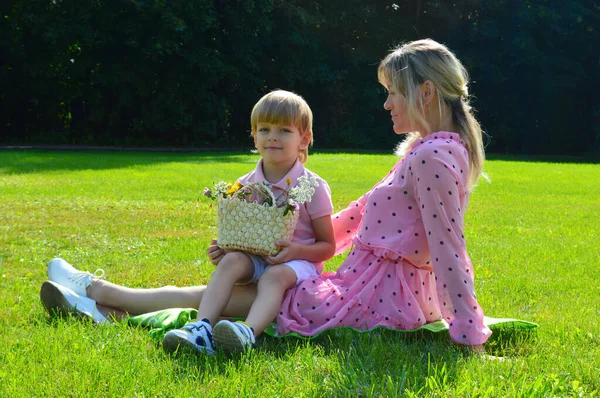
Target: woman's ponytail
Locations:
point(470, 131)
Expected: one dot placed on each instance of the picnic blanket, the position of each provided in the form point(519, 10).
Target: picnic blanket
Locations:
point(160, 322)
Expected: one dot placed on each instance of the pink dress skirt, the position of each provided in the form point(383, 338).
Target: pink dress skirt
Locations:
point(369, 289)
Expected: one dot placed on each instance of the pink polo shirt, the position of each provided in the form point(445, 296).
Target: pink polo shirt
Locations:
point(320, 204)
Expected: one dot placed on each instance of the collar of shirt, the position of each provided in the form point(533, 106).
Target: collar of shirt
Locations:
point(444, 135)
point(295, 172)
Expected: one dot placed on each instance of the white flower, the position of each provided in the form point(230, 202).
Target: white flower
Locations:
point(261, 194)
point(221, 187)
point(305, 189)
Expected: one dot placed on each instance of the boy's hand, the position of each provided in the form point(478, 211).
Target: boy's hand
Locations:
point(215, 253)
point(289, 251)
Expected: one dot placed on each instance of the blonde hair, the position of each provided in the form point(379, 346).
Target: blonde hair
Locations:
point(284, 107)
point(410, 65)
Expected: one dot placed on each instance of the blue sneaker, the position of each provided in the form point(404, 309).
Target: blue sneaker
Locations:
point(196, 336)
point(234, 336)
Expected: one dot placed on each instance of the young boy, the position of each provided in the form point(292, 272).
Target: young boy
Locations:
point(282, 130)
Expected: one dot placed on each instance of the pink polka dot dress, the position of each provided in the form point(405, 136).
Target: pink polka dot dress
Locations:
point(408, 265)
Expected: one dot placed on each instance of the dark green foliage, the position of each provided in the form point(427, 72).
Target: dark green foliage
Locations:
point(187, 73)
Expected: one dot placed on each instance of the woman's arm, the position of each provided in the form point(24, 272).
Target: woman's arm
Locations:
point(347, 221)
point(440, 178)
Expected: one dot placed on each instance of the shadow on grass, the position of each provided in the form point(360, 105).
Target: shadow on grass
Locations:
point(511, 342)
point(22, 162)
point(420, 361)
point(382, 361)
point(505, 341)
point(545, 159)
point(34, 160)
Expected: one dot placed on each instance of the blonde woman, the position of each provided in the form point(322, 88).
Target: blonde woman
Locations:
point(408, 265)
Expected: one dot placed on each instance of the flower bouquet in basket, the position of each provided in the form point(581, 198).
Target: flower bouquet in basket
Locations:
point(252, 219)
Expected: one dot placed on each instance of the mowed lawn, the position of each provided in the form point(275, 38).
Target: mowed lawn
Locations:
point(532, 233)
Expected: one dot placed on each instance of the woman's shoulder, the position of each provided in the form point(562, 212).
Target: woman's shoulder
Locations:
point(435, 154)
point(441, 146)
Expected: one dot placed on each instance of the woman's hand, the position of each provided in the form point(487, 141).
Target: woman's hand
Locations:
point(473, 349)
point(289, 251)
point(477, 348)
point(480, 351)
point(214, 252)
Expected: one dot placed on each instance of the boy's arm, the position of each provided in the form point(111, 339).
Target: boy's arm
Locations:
point(322, 250)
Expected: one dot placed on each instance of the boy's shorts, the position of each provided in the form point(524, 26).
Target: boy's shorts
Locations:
point(303, 269)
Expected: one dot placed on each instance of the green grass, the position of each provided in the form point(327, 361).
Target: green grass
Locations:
point(532, 235)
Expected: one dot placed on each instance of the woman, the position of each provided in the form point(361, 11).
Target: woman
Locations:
point(409, 265)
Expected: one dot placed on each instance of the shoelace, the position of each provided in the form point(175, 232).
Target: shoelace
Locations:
point(203, 331)
point(84, 279)
point(197, 328)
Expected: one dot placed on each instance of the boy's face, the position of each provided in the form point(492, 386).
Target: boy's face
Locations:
point(279, 144)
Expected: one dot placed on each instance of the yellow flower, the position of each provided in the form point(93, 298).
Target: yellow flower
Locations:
point(234, 188)
point(288, 180)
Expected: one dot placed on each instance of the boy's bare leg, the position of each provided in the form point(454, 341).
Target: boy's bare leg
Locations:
point(271, 288)
point(124, 300)
point(222, 297)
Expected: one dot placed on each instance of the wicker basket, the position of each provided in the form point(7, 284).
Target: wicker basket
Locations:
point(253, 227)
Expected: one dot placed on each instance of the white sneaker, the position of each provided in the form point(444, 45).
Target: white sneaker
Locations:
point(65, 274)
point(196, 336)
point(234, 336)
point(60, 300)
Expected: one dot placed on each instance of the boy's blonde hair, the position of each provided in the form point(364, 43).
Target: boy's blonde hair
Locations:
point(284, 107)
point(410, 65)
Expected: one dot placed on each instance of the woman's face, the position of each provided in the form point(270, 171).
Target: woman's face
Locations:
point(396, 104)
